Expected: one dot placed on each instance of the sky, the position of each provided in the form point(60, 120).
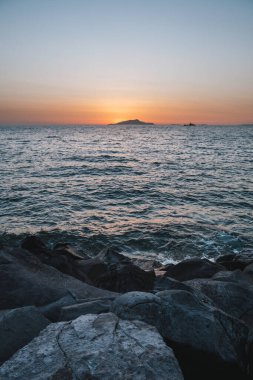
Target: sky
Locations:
point(102, 61)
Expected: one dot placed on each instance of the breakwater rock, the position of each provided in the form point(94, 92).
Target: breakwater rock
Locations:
point(66, 315)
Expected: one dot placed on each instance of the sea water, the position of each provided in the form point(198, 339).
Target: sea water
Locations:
point(165, 192)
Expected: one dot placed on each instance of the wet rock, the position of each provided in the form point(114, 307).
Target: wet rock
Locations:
point(17, 328)
point(235, 298)
point(96, 306)
point(207, 342)
point(25, 280)
point(100, 347)
point(192, 268)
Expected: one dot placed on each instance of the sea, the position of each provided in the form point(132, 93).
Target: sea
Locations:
point(164, 192)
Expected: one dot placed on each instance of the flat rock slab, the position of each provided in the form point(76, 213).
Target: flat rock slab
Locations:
point(94, 347)
point(17, 328)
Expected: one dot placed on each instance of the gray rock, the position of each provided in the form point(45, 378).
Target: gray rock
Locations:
point(94, 347)
point(17, 328)
point(25, 280)
point(206, 341)
point(235, 298)
point(96, 306)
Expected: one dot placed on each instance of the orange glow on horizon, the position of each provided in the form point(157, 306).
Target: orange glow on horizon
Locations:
point(108, 111)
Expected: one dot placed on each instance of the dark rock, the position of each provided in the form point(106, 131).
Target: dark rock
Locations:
point(111, 255)
point(127, 278)
point(206, 341)
point(167, 283)
point(250, 354)
point(91, 270)
point(94, 347)
point(108, 270)
point(53, 309)
point(63, 257)
point(235, 298)
point(25, 280)
point(146, 264)
point(113, 271)
point(193, 268)
point(236, 261)
point(248, 271)
point(17, 328)
point(36, 246)
point(67, 250)
point(96, 306)
point(234, 276)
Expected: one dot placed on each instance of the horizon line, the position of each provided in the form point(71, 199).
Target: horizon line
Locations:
point(106, 124)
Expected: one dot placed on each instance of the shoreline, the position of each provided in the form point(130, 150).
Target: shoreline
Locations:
point(201, 312)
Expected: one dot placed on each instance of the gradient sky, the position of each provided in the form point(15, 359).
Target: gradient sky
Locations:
point(101, 61)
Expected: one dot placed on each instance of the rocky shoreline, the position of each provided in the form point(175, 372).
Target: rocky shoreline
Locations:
point(65, 315)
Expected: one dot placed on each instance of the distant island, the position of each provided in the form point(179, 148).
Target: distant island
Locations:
point(190, 125)
point(132, 122)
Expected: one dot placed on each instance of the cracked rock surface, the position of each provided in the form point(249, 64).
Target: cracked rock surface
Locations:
point(206, 341)
point(94, 347)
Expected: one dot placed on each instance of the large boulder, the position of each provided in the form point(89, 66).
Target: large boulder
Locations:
point(100, 347)
point(118, 277)
point(207, 342)
point(192, 268)
point(235, 298)
point(17, 328)
point(25, 280)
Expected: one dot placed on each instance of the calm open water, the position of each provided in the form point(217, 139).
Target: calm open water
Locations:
point(163, 191)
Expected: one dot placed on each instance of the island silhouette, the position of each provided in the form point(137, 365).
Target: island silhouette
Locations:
point(132, 122)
